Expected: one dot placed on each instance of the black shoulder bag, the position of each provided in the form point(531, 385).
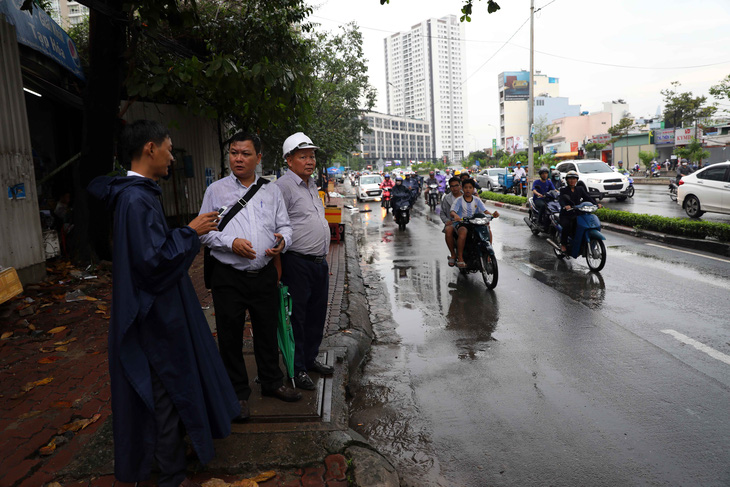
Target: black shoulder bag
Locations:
point(208, 260)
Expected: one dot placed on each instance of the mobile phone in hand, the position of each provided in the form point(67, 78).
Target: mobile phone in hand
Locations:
point(222, 210)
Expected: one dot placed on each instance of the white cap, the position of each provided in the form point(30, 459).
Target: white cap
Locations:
point(297, 141)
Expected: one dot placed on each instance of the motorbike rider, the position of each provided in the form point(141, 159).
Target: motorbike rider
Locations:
point(387, 182)
point(431, 180)
point(465, 175)
point(467, 205)
point(400, 195)
point(683, 170)
point(518, 174)
point(571, 195)
point(555, 177)
point(442, 181)
point(621, 169)
point(540, 190)
point(449, 230)
point(412, 185)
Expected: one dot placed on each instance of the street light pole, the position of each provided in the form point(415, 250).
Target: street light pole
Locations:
point(531, 107)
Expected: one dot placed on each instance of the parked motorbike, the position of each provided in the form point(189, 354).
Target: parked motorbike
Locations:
point(553, 206)
point(402, 215)
point(587, 241)
point(433, 196)
point(385, 198)
point(478, 252)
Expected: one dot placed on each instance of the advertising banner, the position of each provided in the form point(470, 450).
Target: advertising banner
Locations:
point(516, 85)
point(509, 145)
point(685, 136)
point(574, 147)
point(601, 138)
point(664, 137)
point(39, 32)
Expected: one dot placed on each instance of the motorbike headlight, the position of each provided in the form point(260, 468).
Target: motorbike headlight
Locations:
point(594, 181)
point(589, 209)
point(479, 221)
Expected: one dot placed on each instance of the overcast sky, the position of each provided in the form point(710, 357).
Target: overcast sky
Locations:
point(600, 50)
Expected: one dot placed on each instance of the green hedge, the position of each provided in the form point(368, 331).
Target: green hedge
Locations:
point(683, 227)
point(504, 198)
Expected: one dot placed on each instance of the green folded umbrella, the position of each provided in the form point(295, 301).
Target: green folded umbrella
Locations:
point(284, 332)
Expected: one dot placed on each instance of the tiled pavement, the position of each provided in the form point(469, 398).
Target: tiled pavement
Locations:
point(55, 384)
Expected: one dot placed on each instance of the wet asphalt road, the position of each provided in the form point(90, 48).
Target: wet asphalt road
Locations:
point(558, 376)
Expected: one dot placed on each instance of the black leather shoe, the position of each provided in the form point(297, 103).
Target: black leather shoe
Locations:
point(284, 393)
point(303, 381)
point(245, 412)
point(321, 368)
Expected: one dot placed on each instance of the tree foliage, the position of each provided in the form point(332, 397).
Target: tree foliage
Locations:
point(467, 8)
point(647, 156)
point(692, 152)
point(542, 130)
point(593, 148)
point(339, 93)
point(721, 91)
point(681, 108)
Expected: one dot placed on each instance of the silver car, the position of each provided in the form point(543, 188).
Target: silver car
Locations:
point(488, 179)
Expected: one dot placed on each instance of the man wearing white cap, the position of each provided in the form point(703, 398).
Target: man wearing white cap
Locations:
point(304, 265)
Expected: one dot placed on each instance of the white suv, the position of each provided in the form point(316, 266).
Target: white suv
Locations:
point(597, 177)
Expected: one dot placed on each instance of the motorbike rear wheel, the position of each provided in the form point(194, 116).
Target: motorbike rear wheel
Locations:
point(673, 194)
point(596, 255)
point(490, 270)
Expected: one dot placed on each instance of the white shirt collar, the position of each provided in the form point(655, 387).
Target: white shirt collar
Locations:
point(132, 173)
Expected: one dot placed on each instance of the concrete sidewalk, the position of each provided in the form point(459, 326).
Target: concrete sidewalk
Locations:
point(55, 409)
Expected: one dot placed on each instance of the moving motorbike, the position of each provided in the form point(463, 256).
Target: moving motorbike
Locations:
point(478, 252)
point(520, 186)
point(402, 215)
point(433, 196)
point(587, 241)
point(553, 206)
point(385, 198)
point(673, 189)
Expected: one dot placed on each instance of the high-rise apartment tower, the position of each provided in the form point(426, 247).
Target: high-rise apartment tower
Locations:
point(424, 71)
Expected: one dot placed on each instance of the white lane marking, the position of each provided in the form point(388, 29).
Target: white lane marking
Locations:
point(699, 346)
point(688, 252)
point(535, 267)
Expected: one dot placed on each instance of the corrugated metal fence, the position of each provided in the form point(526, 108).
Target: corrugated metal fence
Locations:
point(21, 238)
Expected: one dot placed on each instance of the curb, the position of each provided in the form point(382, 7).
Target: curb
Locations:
point(710, 246)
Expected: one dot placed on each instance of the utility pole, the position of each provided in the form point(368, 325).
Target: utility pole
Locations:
point(531, 107)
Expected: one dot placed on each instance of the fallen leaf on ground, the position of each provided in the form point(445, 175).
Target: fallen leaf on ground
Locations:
point(46, 305)
point(49, 359)
point(215, 483)
point(31, 326)
point(46, 349)
point(79, 424)
point(54, 484)
point(29, 414)
point(263, 477)
point(99, 312)
point(61, 405)
point(58, 329)
point(102, 307)
point(30, 385)
point(6, 335)
point(245, 483)
point(66, 342)
point(89, 298)
point(48, 449)
point(62, 349)
point(64, 311)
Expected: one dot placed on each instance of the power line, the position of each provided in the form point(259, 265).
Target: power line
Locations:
point(497, 51)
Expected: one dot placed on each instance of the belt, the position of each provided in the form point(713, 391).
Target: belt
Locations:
point(252, 273)
point(317, 259)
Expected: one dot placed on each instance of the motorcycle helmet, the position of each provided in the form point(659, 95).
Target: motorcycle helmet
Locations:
point(387, 176)
point(457, 172)
point(543, 170)
point(431, 173)
point(399, 179)
point(552, 167)
point(572, 174)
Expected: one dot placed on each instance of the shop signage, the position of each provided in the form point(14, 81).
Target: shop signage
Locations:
point(601, 138)
point(663, 136)
point(685, 136)
point(39, 32)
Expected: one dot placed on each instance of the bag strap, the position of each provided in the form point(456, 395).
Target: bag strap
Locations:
point(241, 204)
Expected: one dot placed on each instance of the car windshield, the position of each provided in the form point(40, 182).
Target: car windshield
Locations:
point(593, 167)
point(370, 180)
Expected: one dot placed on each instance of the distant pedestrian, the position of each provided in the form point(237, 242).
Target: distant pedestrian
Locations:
point(166, 374)
point(304, 264)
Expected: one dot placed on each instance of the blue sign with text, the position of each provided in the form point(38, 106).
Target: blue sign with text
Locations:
point(41, 33)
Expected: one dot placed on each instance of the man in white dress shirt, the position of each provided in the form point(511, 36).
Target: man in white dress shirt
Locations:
point(244, 276)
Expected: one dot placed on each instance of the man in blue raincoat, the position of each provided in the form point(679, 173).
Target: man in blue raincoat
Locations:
point(167, 377)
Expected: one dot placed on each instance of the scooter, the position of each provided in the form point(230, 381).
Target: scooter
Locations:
point(478, 252)
point(385, 198)
point(553, 206)
point(587, 241)
point(630, 191)
point(402, 215)
point(433, 196)
point(673, 186)
point(520, 186)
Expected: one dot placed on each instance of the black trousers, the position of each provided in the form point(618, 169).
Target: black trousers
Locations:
point(308, 284)
point(169, 446)
point(234, 292)
point(540, 204)
point(567, 221)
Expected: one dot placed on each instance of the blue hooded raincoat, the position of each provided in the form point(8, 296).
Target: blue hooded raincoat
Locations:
point(157, 323)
